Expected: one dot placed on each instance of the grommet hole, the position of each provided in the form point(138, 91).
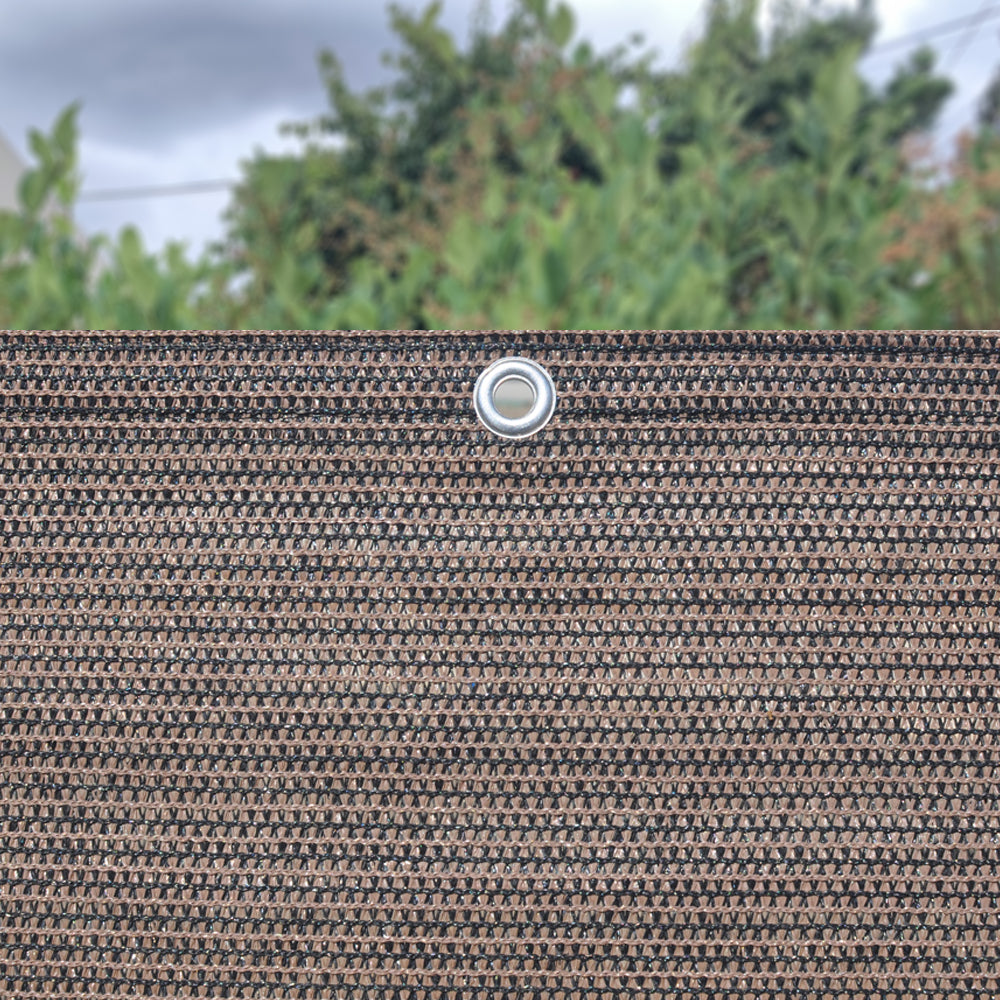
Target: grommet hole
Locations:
point(514, 397)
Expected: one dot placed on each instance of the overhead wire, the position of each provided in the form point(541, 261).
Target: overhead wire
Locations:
point(158, 190)
point(963, 43)
point(936, 30)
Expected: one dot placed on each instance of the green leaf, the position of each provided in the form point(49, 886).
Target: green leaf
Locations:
point(556, 268)
point(65, 132)
point(562, 25)
point(32, 191)
point(632, 138)
point(583, 55)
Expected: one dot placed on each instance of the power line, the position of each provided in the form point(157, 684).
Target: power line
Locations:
point(941, 28)
point(157, 191)
point(965, 40)
point(973, 21)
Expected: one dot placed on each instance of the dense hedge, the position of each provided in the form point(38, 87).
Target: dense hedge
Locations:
point(527, 181)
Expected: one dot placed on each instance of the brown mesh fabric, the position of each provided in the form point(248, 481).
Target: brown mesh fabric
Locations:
point(311, 687)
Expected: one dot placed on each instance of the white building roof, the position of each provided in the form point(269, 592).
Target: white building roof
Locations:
point(11, 168)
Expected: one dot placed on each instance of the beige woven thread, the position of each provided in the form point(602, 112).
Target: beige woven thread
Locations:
point(311, 687)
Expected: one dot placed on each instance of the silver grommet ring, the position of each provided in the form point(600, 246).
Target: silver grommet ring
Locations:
point(541, 409)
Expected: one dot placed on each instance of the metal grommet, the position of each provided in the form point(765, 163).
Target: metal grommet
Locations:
point(541, 409)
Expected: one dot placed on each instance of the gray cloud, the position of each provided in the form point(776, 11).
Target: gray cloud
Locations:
point(151, 71)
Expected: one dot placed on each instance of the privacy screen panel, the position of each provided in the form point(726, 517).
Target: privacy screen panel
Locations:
point(313, 687)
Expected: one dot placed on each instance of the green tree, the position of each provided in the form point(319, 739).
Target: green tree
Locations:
point(53, 277)
point(989, 106)
point(948, 239)
point(441, 189)
point(387, 160)
point(528, 181)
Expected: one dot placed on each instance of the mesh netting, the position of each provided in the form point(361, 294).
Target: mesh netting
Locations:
point(311, 687)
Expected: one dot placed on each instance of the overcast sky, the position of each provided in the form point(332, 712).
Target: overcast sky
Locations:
point(182, 90)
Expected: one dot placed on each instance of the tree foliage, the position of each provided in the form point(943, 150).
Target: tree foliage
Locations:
point(525, 180)
point(52, 277)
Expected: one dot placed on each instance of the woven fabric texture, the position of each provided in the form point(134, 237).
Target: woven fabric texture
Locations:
point(312, 687)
